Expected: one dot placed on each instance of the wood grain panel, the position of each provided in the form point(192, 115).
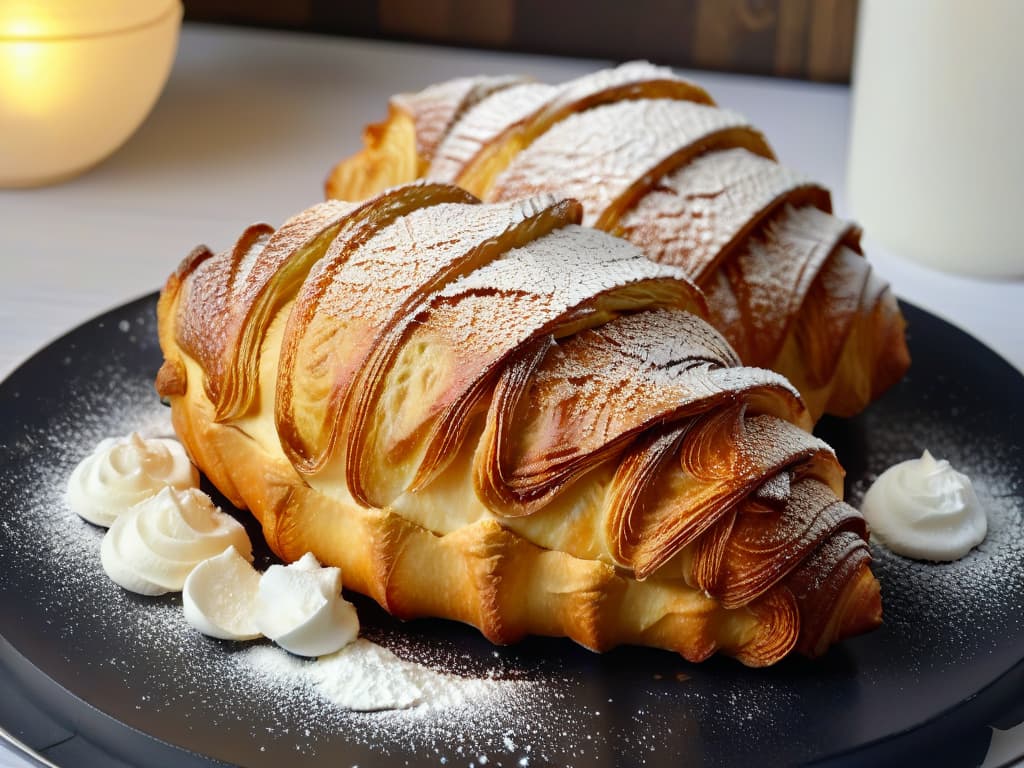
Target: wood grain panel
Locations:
point(830, 41)
point(269, 13)
point(789, 38)
point(646, 29)
point(478, 22)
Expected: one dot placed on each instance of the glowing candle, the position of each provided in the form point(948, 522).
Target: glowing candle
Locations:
point(76, 80)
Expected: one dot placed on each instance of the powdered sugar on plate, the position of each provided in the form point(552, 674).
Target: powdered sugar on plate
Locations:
point(366, 677)
point(982, 589)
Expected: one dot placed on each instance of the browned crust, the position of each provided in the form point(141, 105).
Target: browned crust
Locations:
point(506, 147)
point(763, 546)
point(697, 215)
point(836, 593)
point(307, 450)
point(483, 575)
point(236, 293)
point(399, 149)
point(480, 322)
point(723, 457)
point(480, 146)
point(663, 550)
point(664, 135)
point(560, 410)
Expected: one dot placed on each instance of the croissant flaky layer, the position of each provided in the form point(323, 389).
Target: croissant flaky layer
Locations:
point(651, 159)
point(490, 413)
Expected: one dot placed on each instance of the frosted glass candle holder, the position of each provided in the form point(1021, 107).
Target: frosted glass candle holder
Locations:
point(77, 78)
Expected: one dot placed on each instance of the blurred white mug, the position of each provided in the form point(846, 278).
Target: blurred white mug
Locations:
point(936, 165)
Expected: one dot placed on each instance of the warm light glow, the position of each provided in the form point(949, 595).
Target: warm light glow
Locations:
point(34, 77)
point(76, 80)
point(24, 28)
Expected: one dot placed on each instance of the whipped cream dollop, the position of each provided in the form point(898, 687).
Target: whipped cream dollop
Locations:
point(219, 597)
point(925, 509)
point(300, 607)
point(123, 471)
point(152, 548)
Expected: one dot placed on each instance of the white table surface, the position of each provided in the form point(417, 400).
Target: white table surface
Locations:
point(247, 128)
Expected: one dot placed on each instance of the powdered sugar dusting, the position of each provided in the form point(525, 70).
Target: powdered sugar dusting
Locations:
point(590, 158)
point(584, 91)
point(485, 123)
point(971, 592)
point(436, 108)
point(81, 604)
point(705, 205)
point(773, 274)
point(85, 609)
point(366, 677)
point(606, 384)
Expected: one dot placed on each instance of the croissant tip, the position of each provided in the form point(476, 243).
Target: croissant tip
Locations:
point(863, 611)
point(171, 379)
point(860, 607)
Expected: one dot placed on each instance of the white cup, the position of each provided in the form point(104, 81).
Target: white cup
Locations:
point(936, 164)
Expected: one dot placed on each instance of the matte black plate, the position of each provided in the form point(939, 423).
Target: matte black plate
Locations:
point(128, 676)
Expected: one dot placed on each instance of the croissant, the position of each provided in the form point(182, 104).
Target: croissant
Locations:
point(654, 161)
point(489, 413)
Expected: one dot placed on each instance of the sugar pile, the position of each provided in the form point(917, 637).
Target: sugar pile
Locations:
point(366, 677)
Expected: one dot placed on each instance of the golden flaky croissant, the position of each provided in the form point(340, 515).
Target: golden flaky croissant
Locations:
point(490, 413)
point(652, 160)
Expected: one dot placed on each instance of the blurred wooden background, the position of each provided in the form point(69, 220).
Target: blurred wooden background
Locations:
point(810, 39)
